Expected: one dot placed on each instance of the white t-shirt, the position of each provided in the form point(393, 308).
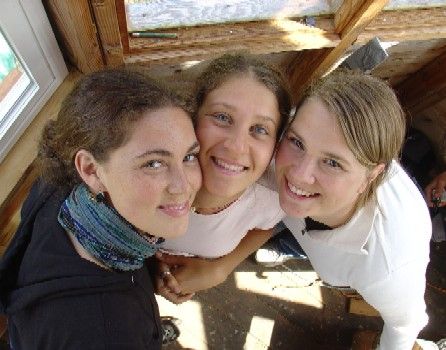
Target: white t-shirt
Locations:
point(215, 235)
point(382, 252)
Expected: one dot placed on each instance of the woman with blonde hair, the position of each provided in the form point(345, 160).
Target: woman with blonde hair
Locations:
point(356, 213)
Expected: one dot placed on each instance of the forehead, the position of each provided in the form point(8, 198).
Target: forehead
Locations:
point(320, 128)
point(239, 91)
point(169, 128)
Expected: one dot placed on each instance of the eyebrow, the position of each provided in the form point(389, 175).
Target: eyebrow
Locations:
point(326, 154)
point(224, 104)
point(165, 153)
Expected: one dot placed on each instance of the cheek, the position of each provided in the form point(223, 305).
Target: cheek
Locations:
point(283, 157)
point(205, 133)
point(195, 178)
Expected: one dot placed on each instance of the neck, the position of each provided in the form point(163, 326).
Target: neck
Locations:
point(206, 200)
point(336, 220)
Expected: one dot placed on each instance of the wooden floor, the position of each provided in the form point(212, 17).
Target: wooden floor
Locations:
point(286, 308)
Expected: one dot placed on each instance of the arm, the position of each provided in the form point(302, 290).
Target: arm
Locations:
point(194, 274)
point(438, 185)
point(400, 301)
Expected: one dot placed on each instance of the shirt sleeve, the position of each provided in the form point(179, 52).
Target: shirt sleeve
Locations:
point(400, 301)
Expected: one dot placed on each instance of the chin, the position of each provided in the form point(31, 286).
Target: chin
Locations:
point(172, 231)
point(292, 209)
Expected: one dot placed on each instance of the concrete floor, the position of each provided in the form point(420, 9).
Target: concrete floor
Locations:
point(285, 308)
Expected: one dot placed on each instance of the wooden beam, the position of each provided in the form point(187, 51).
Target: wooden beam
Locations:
point(106, 17)
point(262, 37)
point(122, 22)
point(407, 25)
point(76, 33)
point(351, 18)
point(425, 87)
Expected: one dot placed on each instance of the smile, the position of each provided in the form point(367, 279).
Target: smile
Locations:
point(234, 168)
point(175, 209)
point(300, 192)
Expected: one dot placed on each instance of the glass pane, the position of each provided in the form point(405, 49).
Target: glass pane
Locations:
point(14, 80)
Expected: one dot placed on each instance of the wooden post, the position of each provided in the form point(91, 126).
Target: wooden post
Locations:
point(350, 20)
point(108, 29)
point(76, 33)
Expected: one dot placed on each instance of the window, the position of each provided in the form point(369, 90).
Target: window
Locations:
point(31, 67)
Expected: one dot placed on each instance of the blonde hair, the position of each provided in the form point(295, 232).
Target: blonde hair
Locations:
point(370, 117)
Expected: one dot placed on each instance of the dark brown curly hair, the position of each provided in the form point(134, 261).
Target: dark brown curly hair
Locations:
point(97, 116)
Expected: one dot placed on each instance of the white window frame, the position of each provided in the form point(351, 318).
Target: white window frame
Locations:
point(25, 26)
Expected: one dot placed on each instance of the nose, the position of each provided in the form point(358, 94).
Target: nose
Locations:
point(303, 170)
point(237, 141)
point(178, 181)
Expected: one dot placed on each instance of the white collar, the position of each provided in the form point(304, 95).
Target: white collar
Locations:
point(353, 236)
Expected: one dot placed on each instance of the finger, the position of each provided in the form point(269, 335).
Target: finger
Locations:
point(428, 192)
point(181, 298)
point(171, 282)
point(172, 259)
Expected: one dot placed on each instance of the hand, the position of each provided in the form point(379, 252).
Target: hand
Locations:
point(435, 189)
point(192, 274)
point(167, 286)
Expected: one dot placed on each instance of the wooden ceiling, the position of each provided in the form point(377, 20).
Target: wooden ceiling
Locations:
point(94, 34)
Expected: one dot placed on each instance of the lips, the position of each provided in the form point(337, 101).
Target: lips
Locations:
point(227, 167)
point(175, 209)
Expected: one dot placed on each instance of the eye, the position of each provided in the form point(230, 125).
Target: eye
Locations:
point(192, 157)
point(259, 129)
point(332, 163)
point(221, 118)
point(153, 164)
point(296, 142)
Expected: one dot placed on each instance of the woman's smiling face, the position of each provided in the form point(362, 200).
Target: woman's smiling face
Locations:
point(237, 126)
point(317, 174)
point(152, 179)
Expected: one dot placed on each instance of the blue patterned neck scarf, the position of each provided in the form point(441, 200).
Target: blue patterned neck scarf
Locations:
point(104, 233)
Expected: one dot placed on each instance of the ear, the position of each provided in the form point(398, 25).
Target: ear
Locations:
point(372, 174)
point(87, 167)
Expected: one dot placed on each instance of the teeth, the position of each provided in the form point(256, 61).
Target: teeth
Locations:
point(175, 206)
point(230, 167)
point(299, 191)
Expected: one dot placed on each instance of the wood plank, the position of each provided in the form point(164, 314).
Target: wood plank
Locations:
point(359, 306)
point(408, 57)
point(122, 23)
point(257, 37)
point(424, 88)
point(407, 25)
point(76, 32)
point(10, 211)
point(351, 26)
point(150, 15)
point(106, 17)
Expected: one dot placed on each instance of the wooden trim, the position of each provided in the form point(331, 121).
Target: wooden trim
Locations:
point(77, 33)
point(425, 87)
point(106, 17)
point(122, 23)
point(350, 26)
point(10, 211)
point(260, 37)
